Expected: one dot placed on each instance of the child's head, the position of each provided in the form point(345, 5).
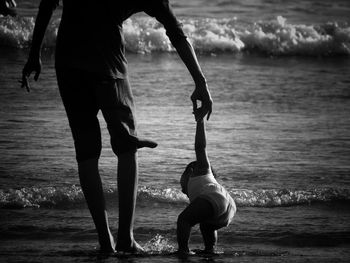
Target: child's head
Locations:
point(189, 171)
point(186, 176)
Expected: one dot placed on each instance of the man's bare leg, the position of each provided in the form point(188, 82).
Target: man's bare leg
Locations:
point(91, 185)
point(127, 190)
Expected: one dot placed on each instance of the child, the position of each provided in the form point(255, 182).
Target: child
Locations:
point(211, 205)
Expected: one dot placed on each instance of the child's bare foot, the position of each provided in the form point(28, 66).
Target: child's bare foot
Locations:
point(141, 143)
point(135, 248)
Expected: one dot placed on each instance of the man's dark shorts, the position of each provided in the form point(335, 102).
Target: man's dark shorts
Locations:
point(83, 95)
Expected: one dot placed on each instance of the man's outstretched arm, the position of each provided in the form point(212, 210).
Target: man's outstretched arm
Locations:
point(201, 92)
point(162, 11)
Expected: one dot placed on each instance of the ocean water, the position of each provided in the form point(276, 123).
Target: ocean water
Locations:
point(279, 136)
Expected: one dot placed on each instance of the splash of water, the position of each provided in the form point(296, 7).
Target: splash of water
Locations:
point(159, 244)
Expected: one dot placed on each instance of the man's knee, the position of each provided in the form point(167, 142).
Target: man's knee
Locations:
point(122, 146)
point(87, 146)
point(86, 152)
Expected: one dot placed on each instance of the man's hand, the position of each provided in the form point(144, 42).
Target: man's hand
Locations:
point(201, 93)
point(6, 7)
point(33, 65)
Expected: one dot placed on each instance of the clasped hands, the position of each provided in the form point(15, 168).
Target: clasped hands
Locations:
point(202, 94)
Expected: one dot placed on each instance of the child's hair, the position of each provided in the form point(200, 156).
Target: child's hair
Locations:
point(187, 173)
point(192, 165)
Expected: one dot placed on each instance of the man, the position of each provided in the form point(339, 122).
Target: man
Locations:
point(92, 75)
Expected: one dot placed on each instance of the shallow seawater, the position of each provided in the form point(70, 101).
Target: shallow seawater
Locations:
point(277, 122)
point(298, 234)
point(278, 137)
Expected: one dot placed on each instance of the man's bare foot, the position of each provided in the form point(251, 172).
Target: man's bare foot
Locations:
point(106, 251)
point(141, 143)
point(135, 248)
point(183, 254)
point(207, 252)
point(107, 245)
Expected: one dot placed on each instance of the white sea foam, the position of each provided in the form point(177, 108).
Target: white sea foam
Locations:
point(209, 35)
point(280, 38)
point(72, 196)
point(159, 244)
point(16, 32)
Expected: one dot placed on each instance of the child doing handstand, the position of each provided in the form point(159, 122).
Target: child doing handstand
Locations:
point(211, 205)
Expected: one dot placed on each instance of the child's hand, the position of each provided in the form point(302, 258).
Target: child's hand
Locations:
point(202, 94)
point(199, 114)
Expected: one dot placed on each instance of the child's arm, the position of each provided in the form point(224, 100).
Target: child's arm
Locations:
point(200, 147)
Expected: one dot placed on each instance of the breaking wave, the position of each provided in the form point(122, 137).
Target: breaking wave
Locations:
point(209, 36)
point(72, 196)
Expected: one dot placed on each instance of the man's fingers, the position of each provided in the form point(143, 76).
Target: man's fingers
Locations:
point(36, 76)
point(209, 105)
point(194, 103)
point(205, 106)
point(25, 78)
point(195, 106)
point(25, 83)
point(209, 113)
point(200, 113)
point(27, 86)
